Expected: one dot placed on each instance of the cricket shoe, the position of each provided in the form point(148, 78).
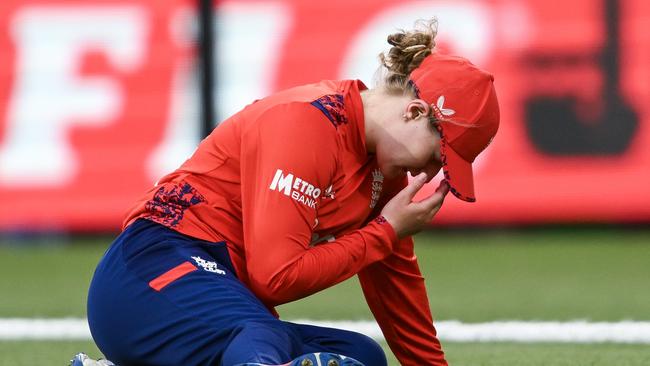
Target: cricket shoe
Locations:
point(316, 359)
point(82, 359)
point(324, 359)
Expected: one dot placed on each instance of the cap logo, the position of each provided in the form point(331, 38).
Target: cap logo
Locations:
point(439, 109)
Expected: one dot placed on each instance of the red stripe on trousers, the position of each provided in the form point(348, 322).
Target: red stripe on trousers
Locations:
point(172, 275)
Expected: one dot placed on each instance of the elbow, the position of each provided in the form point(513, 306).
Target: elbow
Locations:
point(280, 284)
point(269, 289)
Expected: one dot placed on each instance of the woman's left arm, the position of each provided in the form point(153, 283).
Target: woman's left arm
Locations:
point(395, 291)
point(396, 294)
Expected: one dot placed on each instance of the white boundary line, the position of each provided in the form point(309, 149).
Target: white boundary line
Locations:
point(449, 331)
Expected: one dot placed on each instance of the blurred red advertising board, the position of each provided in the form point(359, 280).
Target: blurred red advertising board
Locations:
point(85, 90)
point(98, 98)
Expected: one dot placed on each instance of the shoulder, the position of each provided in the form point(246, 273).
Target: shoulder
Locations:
point(290, 118)
point(306, 106)
point(332, 107)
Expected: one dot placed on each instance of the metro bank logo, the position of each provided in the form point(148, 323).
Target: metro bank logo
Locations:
point(298, 189)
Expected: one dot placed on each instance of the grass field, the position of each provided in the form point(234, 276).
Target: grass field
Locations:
point(474, 276)
point(459, 354)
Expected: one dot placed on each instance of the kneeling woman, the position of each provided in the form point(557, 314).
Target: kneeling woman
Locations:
point(294, 194)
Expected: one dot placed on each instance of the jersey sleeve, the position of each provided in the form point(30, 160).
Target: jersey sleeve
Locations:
point(289, 157)
point(396, 294)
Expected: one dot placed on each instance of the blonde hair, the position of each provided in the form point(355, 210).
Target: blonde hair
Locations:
point(408, 50)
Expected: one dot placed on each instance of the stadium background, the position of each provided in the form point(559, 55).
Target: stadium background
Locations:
point(99, 98)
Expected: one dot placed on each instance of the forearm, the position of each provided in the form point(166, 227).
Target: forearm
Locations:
point(397, 296)
point(316, 268)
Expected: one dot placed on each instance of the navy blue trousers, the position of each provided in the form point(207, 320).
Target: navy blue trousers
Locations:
point(162, 298)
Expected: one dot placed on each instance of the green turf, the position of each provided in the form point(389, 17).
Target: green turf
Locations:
point(476, 276)
point(473, 276)
point(505, 354)
point(37, 353)
point(47, 280)
point(531, 275)
point(30, 353)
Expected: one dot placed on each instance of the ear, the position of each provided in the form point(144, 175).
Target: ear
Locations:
point(417, 108)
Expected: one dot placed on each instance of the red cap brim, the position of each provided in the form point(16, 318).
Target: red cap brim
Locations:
point(458, 173)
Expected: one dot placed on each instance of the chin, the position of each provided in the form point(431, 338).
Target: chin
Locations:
point(392, 172)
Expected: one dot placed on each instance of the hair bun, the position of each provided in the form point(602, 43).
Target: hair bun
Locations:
point(410, 47)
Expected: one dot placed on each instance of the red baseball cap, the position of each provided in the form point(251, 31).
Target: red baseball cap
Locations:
point(463, 98)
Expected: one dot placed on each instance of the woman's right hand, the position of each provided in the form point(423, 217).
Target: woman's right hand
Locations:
point(408, 217)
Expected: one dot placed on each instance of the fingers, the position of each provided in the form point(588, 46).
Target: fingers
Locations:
point(443, 187)
point(414, 186)
point(408, 217)
point(435, 200)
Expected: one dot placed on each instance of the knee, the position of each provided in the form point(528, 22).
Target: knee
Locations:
point(368, 351)
point(261, 343)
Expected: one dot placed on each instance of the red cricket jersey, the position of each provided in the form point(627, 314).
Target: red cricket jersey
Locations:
point(288, 184)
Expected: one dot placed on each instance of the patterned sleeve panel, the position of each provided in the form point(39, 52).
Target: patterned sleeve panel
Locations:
point(332, 107)
point(169, 203)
